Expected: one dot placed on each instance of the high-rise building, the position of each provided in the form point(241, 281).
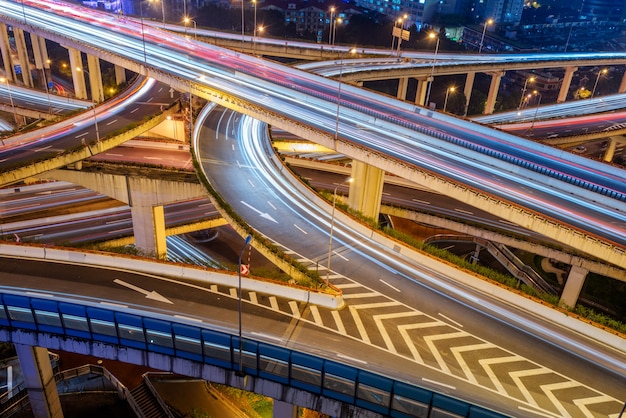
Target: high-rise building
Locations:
point(608, 10)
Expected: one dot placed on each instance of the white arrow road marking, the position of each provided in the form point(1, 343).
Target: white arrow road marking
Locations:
point(149, 294)
point(263, 215)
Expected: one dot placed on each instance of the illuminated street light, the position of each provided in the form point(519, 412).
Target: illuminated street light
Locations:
point(260, 30)
point(254, 30)
point(432, 71)
point(6, 81)
point(330, 29)
point(338, 20)
point(482, 39)
point(603, 71)
point(240, 372)
point(93, 99)
point(532, 125)
point(195, 27)
point(332, 226)
point(521, 100)
point(448, 91)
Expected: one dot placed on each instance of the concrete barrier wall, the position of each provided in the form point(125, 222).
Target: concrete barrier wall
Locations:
point(140, 265)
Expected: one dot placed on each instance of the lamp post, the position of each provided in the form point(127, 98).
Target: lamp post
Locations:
point(143, 34)
point(243, 25)
point(338, 20)
point(445, 102)
point(240, 372)
point(532, 125)
point(401, 25)
point(432, 70)
point(6, 81)
point(195, 27)
point(330, 29)
point(260, 29)
point(254, 30)
point(521, 100)
point(95, 120)
point(603, 71)
point(332, 227)
point(482, 39)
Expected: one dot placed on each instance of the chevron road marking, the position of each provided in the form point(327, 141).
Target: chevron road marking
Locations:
point(430, 342)
point(516, 376)
point(295, 312)
point(548, 390)
point(378, 320)
point(457, 351)
point(315, 312)
point(359, 324)
point(498, 360)
point(274, 303)
point(339, 322)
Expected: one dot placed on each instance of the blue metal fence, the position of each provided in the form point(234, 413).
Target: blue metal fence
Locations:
point(313, 374)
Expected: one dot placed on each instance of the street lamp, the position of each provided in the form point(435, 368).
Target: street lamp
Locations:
point(143, 34)
point(445, 102)
point(240, 372)
point(338, 20)
point(532, 125)
point(260, 29)
point(330, 29)
point(195, 27)
point(401, 27)
point(93, 99)
point(521, 100)
point(332, 226)
point(254, 30)
point(482, 39)
point(351, 51)
point(6, 81)
point(432, 35)
point(603, 71)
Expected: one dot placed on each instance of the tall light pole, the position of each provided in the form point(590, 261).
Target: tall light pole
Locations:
point(432, 70)
point(338, 20)
point(532, 125)
point(195, 27)
point(260, 29)
point(6, 81)
point(240, 372)
point(93, 99)
point(521, 100)
point(243, 25)
point(482, 39)
point(330, 28)
point(143, 34)
point(254, 30)
point(603, 71)
point(332, 227)
point(401, 26)
point(445, 102)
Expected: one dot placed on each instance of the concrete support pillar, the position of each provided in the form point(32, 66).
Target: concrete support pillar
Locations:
point(358, 83)
point(609, 153)
point(567, 81)
point(42, 63)
point(39, 380)
point(284, 410)
point(420, 93)
point(5, 49)
point(95, 78)
point(467, 90)
point(76, 61)
point(22, 54)
point(622, 85)
point(494, 86)
point(403, 83)
point(149, 229)
point(120, 75)
point(573, 285)
point(366, 189)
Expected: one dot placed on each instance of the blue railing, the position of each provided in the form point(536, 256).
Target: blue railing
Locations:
point(316, 375)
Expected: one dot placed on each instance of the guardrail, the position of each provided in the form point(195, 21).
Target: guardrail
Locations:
point(320, 376)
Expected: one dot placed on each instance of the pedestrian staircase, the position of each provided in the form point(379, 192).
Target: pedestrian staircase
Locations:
point(148, 402)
